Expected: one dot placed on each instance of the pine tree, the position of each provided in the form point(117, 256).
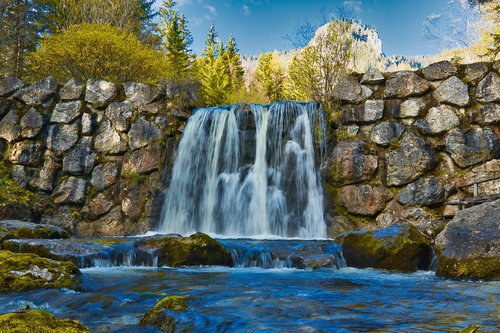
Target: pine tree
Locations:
point(176, 39)
point(211, 43)
point(271, 75)
point(233, 60)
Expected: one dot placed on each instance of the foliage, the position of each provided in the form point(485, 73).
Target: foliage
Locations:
point(176, 40)
point(271, 76)
point(233, 61)
point(94, 51)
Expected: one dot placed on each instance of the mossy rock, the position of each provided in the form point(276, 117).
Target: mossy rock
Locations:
point(398, 247)
point(197, 250)
point(11, 229)
point(158, 315)
point(27, 271)
point(38, 321)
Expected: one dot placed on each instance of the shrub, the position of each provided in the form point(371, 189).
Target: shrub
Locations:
point(94, 51)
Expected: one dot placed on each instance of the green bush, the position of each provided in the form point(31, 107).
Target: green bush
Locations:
point(95, 51)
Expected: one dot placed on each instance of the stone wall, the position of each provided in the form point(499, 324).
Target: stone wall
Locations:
point(93, 154)
point(405, 142)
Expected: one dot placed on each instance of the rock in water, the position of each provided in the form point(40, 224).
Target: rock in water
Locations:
point(398, 247)
point(158, 316)
point(469, 246)
point(39, 321)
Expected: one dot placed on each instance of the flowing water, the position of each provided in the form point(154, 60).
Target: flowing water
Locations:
point(249, 171)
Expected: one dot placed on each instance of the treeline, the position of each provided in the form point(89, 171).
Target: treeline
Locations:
point(128, 40)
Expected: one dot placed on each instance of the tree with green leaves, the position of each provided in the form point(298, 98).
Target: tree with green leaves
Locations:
point(233, 60)
point(271, 75)
point(176, 40)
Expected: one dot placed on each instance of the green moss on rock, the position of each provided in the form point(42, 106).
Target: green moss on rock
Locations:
point(158, 315)
point(198, 249)
point(27, 271)
point(398, 247)
point(481, 268)
point(11, 229)
point(39, 321)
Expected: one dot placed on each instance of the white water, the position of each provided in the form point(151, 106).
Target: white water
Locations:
point(249, 171)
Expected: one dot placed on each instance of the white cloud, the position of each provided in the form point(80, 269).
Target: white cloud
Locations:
point(246, 10)
point(355, 5)
point(212, 11)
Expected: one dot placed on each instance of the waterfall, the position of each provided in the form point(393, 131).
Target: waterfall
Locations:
point(249, 171)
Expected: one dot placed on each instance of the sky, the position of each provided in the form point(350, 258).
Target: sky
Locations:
point(260, 25)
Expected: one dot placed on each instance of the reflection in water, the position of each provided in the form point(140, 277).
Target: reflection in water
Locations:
point(273, 300)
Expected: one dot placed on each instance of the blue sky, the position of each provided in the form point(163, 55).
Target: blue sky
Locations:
point(259, 25)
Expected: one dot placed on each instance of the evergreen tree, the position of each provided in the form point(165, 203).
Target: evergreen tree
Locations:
point(271, 75)
point(176, 39)
point(233, 60)
point(211, 43)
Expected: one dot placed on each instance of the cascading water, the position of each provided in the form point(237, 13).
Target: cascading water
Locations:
point(249, 171)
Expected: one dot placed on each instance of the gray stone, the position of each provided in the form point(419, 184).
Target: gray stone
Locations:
point(349, 164)
point(374, 110)
point(104, 176)
point(47, 175)
point(384, 133)
point(424, 191)
point(66, 112)
point(407, 163)
point(349, 90)
point(411, 108)
point(10, 85)
point(133, 200)
point(62, 138)
point(179, 114)
point(439, 71)
point(372, 76)
point(72, 89)
point(142, 161)
point(487, 115)
point(140, 94)
point(483, 171)
point(10, 229)
point(80, 160)
point(366, 200)
point(161, 122)
point(153, 108)
point(87, 124)
point(29, 153)
point(70, 191)
point(5, 106)
point(452, 91)
point(109, 141)
point(21, 174)
point(439, 120)
point(119, 113)
point(62, 216)
point(469, 245)
point(468, 146)
point(143, 133)
point(98, 206)
point(38, 93)
point(488, 90)
point(110, 224)
point(100, 93)
point(31, 123)
point(9, 127)
point(406, 84)
point(475, 72)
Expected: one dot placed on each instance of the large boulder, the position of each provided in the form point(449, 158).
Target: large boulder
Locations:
point(100, 93)
point(469, 245)
point(27, 271)
point(468, 146)
point(29, 153)
point(71, 191)
point(108, 140)
point(61, 138)
point(140, 94)
point(398, 247)
point(66, 112)
point(439, 71)
point(384, 133)
point(452, 91)
point(39, 321)
point(488, 90)
point(160, 315)
point(143, 133)
point(9, 126)
point(349, 90)
point(120, 113)
point(73, 89)
point(10, 85)
point(197, 249)
point(439, 120)
point(80, 160)
point(366, 200)
point(349, 164)
point(409, 161)
point(406, 84)
point(12, 229)
point(425, 191)
point(39, 92)
point(31, 123)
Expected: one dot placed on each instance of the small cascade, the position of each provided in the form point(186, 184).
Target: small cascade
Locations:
point(285, 253)
point(249, 171)
point(125, 255)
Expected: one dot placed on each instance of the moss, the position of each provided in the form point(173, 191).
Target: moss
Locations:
point(11, 192)
point(104, 241)
point(469, 268)
point(359, 221)
point(158, 317)
point(395, 143)
point(470, 329)
point(38, 232)
point(15, 273)
point(198, 249)
point(136, 178)
point(38, 321)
